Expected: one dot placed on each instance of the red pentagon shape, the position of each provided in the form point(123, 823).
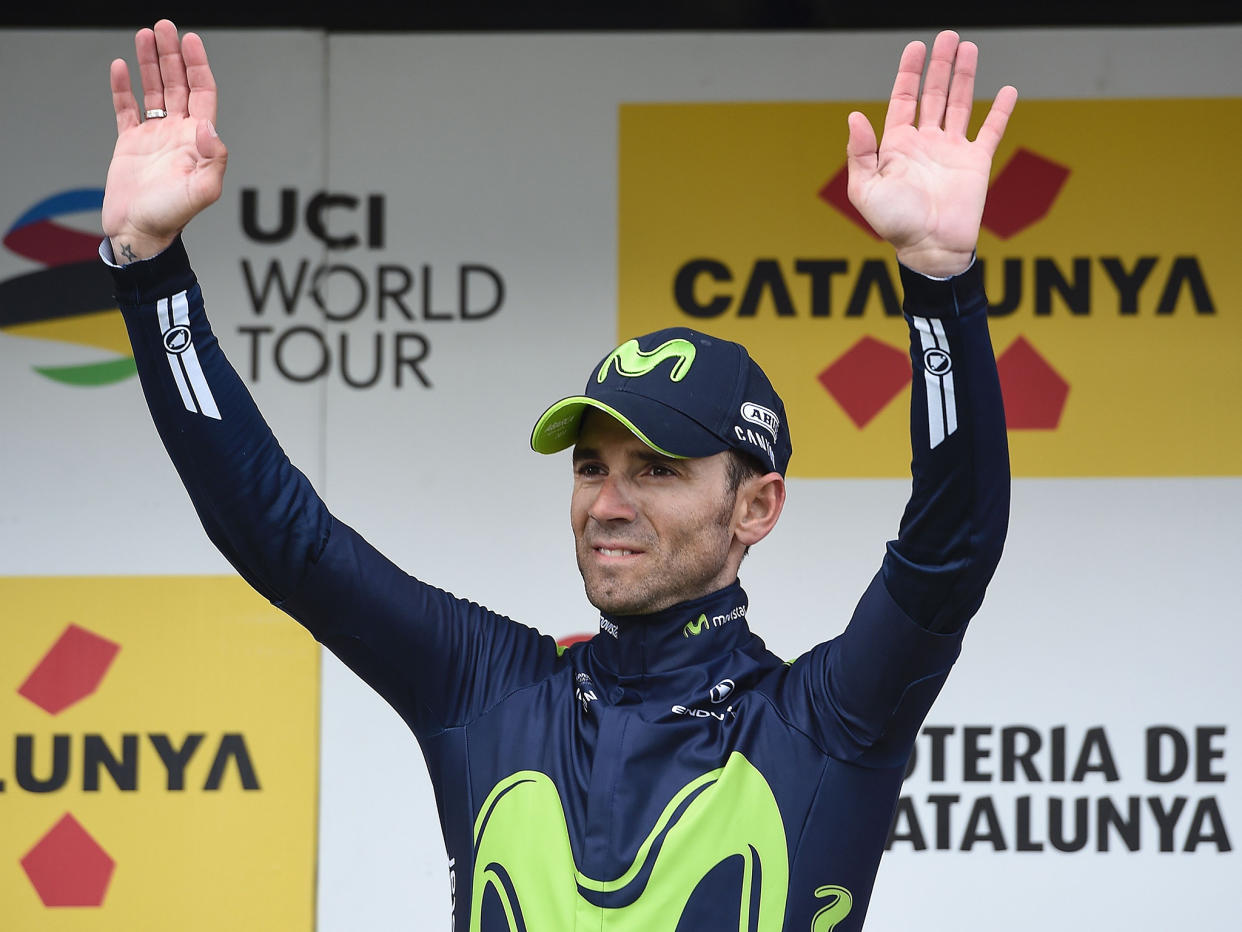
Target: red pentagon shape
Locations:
point(70, 671)
point(1034, 392)
point(866, 377)
point(835, 193)
point(67, 867)
point(1022, 194)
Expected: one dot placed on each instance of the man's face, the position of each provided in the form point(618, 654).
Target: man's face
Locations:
point(650, 531)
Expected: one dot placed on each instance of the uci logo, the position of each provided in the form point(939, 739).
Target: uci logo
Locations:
point(937, 361)
point(177, 339)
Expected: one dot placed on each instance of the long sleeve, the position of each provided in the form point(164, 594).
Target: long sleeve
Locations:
point(259, 510)
point(954, 526)
point(437, 659)
point(865, 693)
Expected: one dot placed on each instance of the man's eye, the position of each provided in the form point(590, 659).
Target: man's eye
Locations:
point(589, 469)
point(658, 470)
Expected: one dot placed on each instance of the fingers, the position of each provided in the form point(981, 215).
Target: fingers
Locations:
point(175, 75)
point(149, 70)
point(172, 69)
point(947, 95)
point(936, 84)
point(905, 97)
point(993, 127)
point(122, 96)
point(201, 82)
point(962, 90)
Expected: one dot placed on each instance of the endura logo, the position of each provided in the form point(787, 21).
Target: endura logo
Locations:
point(691, 712)
point(937, 361)
point(177, 339)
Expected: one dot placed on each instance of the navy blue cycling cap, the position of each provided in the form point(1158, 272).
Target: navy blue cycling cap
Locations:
point(684, 394)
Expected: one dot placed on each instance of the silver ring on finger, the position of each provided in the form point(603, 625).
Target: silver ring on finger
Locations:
point(155, 114)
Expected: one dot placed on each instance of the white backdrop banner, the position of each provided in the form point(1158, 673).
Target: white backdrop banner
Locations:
point(425, 239)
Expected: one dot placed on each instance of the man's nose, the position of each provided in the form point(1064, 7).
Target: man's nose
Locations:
point(613, 501)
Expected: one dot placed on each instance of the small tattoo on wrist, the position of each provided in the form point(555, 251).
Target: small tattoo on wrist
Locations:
point(128, 253)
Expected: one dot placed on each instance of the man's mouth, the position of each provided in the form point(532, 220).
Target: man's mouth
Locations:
point(616, 551)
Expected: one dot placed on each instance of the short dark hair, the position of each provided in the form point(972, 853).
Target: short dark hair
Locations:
point(743, 466)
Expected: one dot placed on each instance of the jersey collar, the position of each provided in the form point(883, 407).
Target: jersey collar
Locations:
point(677, 637)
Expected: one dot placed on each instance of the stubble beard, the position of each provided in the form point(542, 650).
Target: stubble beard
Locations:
point(657, 590)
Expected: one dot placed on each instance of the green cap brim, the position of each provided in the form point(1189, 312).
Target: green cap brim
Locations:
point(558, 427)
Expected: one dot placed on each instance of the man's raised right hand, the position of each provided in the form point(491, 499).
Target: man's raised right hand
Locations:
point(164, 169)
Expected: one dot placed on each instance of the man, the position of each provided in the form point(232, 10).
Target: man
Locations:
point(671, 773)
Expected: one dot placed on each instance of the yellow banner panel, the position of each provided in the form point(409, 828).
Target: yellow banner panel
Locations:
point(1109, 245)
point(158, 756)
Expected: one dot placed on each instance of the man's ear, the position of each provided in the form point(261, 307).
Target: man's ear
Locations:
point(759, 503)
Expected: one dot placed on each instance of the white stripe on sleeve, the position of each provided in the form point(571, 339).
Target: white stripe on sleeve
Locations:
point(174, 361)
point(189, 357)
point(941, 405)
point(946, 381)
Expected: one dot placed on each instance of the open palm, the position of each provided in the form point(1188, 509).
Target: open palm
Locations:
point(923, 188)
point(164, 170)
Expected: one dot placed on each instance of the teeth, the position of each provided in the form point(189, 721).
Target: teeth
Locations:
point(613, 553)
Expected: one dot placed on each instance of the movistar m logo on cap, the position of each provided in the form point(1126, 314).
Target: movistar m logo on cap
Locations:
point(631, 361)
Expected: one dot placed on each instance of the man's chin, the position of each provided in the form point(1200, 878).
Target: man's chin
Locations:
point(606, 590)
point(620, 606)
point(612, 606)
point(611, 601)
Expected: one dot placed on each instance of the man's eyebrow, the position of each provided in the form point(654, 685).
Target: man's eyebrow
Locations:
point(646, 454)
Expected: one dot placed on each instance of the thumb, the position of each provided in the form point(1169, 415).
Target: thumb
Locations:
point(862, 154)
point(208, 141)
point(861, 147)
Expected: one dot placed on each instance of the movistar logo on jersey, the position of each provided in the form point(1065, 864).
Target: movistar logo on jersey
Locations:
point(522, 856)
point(702, 623)
point(837, 908)
point(694, 627)
point(630, 360)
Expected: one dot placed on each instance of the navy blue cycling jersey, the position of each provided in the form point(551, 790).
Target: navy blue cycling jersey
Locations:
point(670, 774)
